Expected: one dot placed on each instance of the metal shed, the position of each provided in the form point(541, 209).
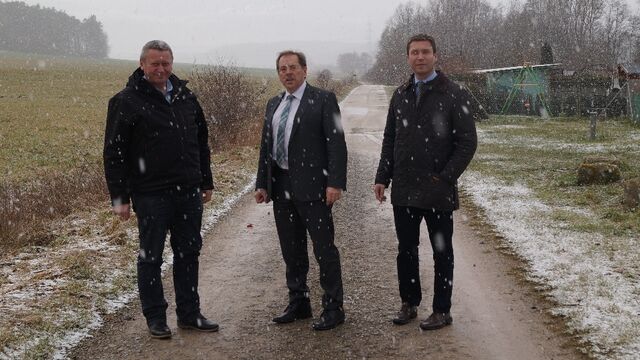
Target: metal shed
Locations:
point(519, 89)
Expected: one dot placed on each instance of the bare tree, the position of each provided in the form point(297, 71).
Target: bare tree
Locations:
point(617, 29)
point(473, 34)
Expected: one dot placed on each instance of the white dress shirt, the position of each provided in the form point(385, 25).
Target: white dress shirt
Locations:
point(275, 121)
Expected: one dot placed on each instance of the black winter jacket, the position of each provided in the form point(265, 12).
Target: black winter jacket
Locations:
point(427, 147)
point(151, 145)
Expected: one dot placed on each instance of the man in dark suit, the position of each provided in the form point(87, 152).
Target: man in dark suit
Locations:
point(429, 139)
point(303, 169)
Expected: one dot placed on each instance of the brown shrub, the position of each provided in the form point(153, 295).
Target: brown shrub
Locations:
point(27, 210)
point(340, 87)
point(232, 103)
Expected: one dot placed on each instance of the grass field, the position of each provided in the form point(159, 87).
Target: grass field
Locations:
point(54, 109)
point(544, 155)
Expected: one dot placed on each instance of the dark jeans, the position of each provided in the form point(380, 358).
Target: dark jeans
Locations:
point(178, 211)
point(440, 228)
point(293, 220)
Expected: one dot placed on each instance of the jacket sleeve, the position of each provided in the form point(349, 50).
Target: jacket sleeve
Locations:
point(262, 177)
point(336, 145)
point(464, 137)
point(116, 148)
point(203, 148)
point(385, 166)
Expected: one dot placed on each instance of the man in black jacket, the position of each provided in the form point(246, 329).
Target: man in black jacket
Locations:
point(429, 140)
point(303, 169)
point(156, 155)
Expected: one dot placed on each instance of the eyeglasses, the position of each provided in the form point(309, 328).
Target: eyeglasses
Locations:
point(292, 67)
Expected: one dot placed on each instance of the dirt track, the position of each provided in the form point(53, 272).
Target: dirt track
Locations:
point(496, 316)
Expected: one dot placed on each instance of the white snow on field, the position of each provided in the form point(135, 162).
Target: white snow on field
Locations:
point(23, 289)
point(589, 285)
point(489, 137)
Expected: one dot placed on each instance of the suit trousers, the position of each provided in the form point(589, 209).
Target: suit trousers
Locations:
point(178, 211)
point(440, 228)
point(293, 220)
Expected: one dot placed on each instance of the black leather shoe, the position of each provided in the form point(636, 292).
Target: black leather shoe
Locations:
point(200, 323)
point(329, 319)
point(406, 314)
point(436, 321)
point(159, 330)
point(294, 311)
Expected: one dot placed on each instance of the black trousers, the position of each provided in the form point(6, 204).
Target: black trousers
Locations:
point(440, 228)
point(178, 211)
point(293, 220)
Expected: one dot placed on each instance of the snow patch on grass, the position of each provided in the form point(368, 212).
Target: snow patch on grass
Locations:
point(601, 304)
point(44, 279)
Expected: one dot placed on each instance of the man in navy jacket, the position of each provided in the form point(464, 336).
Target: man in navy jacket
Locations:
point(429, 139)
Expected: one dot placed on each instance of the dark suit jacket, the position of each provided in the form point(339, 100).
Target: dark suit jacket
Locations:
point(317, 150)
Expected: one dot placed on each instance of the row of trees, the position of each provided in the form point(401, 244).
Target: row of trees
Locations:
point(474, 34)
point(48, 31)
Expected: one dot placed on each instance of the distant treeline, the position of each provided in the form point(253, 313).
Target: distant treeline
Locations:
point(472, 34)
point(41, 30)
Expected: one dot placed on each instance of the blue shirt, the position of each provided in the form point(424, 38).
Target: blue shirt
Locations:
point(167, 96)
point(169, 88)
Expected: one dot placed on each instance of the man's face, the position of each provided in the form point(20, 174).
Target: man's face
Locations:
point(421, 58)
point(291, 73)
point(157, 66)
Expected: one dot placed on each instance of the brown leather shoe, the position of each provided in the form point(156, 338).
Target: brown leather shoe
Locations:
point(406, 314)
point(436, 321)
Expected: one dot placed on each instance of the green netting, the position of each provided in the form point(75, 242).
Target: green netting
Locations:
point(635, 104)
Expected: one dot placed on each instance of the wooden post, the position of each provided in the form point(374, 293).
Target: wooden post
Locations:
point(593, 116)
point(630, 101)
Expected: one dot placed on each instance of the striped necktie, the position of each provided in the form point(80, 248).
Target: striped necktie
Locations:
point(281, 157)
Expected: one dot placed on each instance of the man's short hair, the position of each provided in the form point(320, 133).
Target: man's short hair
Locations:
point(301, 58)
point(155, 45)
point(422, 37)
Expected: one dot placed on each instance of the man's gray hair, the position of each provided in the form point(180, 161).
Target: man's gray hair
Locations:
point(155, 45)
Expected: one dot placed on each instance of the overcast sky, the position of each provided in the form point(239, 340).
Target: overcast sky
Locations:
point(195, 27)
point(199, 26)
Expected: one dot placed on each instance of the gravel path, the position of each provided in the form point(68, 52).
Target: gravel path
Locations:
point(496, 316)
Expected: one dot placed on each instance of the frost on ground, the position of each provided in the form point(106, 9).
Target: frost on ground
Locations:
point(492, 137)
point(593, 280)
point(53, 297)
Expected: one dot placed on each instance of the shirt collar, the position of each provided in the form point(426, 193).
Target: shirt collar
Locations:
point(429, 78)
point(169, 85)
point(298, 93)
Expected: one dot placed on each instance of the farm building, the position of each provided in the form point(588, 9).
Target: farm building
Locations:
point(547, 90)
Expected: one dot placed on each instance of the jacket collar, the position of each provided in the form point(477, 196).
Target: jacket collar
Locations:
point(438, 84)
point(137, 81)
